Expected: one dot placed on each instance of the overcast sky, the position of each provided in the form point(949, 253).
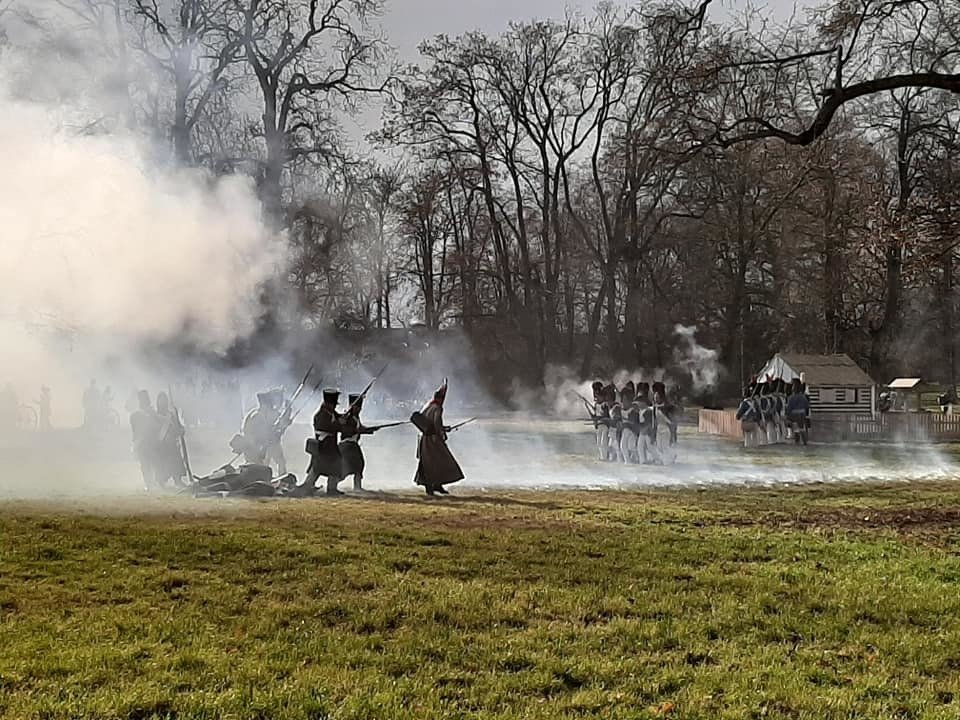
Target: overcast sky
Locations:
point(410, 21)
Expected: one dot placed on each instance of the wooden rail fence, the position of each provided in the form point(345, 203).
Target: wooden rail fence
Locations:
point(841, 427)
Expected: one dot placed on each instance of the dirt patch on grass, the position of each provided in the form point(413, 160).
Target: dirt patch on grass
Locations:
point(909, 520)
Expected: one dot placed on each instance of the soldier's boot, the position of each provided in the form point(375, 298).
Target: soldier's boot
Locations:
point(332, 483)
point(358, 482)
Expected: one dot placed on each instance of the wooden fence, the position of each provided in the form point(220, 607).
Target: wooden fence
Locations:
point(845, 427)
point(720, 422)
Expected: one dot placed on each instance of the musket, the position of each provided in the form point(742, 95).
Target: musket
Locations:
point(313, 392)
point(366, 390)
point(373, 428)
point(279, 422)
point(301, 386)
point(183, 435)
point(591, 408)
point(456, 427)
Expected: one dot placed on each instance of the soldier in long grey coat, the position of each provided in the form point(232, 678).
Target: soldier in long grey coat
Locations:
point(437, 466)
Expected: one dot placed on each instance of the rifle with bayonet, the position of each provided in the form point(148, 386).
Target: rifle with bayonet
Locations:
point(454, 428)
point(362, 396)
point(287, 417)
point(371, 429)
point(182, 431)
point(591, 408)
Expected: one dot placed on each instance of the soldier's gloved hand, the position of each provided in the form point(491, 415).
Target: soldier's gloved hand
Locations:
point(447, 428)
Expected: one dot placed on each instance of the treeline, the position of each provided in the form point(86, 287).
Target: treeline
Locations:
point(573, 189)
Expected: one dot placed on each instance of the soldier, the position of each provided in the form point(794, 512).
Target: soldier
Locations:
point(599, 419)
point(616, 425)
point(643, 394)
point(282, 420)
point(92, 401)
point(9, 408)
point(667, 411)
point(255, 432)
point(798, 412)
point(46, 413)
point(169, 460)
point(437, 466)
point(145, 426)
point(350, 450)
point(325, 458)
point(261, 436)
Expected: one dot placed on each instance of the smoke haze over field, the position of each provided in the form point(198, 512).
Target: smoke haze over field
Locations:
point(103, 251)
point(97, 240)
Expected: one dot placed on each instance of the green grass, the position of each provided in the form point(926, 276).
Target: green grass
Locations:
point(804, 603)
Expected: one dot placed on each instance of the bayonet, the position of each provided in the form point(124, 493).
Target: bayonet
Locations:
point(453, 428)
point(366, 390)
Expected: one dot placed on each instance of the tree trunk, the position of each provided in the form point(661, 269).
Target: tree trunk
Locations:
point(947, 317)
point(593, 329)
point(613, 319)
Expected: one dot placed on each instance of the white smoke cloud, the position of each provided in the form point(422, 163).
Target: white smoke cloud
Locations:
point(703, 364)
point(98, 240)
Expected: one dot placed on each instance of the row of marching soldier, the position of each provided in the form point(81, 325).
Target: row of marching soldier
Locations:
point(634, 424)
point(334, 449)
point(774, 411)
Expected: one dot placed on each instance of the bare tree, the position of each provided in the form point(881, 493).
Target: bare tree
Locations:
point(856, 49)
point(192, 53)
point(309, 58)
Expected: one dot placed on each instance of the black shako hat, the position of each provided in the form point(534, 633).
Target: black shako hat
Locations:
point(331, 396)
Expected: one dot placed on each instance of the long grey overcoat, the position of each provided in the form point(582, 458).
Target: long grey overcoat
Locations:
point(437, 465)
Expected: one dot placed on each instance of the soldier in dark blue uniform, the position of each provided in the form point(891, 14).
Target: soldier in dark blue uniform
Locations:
point(324, 447)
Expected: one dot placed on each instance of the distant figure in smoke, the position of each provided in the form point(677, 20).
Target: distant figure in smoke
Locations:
point(324, 447)
point(437, 466)
point(616, 424)
point(350, 450)
point(602, 420)
point(798, 412)
point(261, 436)
point(106, 410)
point(170, 465)
point(278, 427)
point(629, 423)
point(92, 403)
point(9, 408)
point(46, 412)
point(145, 426)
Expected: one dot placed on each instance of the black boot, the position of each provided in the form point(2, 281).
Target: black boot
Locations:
point(357, 483)
point(442, 490)
point(332, 483)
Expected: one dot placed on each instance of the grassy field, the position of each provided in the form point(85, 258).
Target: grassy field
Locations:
point(801, 603)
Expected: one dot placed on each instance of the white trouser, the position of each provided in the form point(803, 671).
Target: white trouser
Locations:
point(628, 446)
point(603, 442)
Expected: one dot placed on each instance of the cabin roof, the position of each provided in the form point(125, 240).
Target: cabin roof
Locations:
point(833, 370)
point(905, 383)
point(916, 385)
